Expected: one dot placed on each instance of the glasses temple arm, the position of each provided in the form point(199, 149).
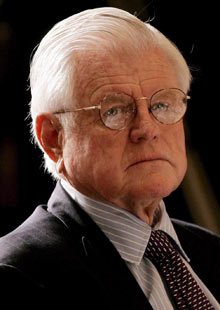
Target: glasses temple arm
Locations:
point(97, 107)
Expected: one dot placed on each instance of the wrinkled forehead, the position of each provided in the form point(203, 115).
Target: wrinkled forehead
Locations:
point(92, 68)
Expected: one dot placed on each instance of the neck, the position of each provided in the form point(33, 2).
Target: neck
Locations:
point(146, 210)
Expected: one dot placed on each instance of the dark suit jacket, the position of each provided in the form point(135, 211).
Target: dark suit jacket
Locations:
point(62, 260)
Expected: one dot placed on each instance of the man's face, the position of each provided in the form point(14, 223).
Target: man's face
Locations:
point(147, 160)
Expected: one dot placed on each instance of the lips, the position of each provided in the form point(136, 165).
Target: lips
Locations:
point(148, 159)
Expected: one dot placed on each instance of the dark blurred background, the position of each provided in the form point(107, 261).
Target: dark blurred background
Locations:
point(191, 25)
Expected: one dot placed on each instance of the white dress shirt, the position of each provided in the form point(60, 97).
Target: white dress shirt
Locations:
point(130, 236)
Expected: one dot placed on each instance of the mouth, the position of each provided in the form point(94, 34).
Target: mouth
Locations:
point(148, 160)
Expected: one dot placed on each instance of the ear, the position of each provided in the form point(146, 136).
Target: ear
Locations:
point(49, 133)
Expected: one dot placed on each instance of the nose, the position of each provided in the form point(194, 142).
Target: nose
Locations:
point(144, 127)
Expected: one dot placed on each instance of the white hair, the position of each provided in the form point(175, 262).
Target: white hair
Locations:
point(52, 69)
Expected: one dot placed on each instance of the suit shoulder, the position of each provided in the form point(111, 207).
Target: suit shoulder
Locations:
point(194, 234)
point(42, 231)
point(195, 229)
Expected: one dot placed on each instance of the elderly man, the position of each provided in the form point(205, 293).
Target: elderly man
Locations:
point(108, 97)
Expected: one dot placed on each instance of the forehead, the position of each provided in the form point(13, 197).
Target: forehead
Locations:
point(96, 71)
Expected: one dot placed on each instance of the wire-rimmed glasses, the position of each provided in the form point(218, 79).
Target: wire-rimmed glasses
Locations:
point(117, 111)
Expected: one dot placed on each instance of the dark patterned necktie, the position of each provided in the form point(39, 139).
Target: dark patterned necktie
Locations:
point(183, 287)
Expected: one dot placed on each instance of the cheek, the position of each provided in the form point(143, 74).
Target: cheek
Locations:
point(93, 163)
point(179, 151)
point(106, 160)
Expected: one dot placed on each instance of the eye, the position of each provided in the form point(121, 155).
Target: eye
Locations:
point(113, 111)
point(160, 107)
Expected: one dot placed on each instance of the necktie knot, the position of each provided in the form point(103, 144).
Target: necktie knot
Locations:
point(159, 247)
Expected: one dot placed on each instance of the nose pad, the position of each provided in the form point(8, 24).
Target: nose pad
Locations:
point(143, 127)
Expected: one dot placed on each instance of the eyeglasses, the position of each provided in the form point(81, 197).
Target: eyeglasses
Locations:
point(117, 111)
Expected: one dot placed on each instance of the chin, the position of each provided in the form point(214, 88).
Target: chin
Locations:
point(158, 181)
point(156, 188)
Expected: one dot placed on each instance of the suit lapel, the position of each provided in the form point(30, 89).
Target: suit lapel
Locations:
point(101, 257)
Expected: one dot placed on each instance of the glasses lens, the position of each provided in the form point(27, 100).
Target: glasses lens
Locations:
point(117, 111)
point(168, 106)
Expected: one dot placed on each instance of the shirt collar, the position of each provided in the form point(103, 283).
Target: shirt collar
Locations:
point(129, 234)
